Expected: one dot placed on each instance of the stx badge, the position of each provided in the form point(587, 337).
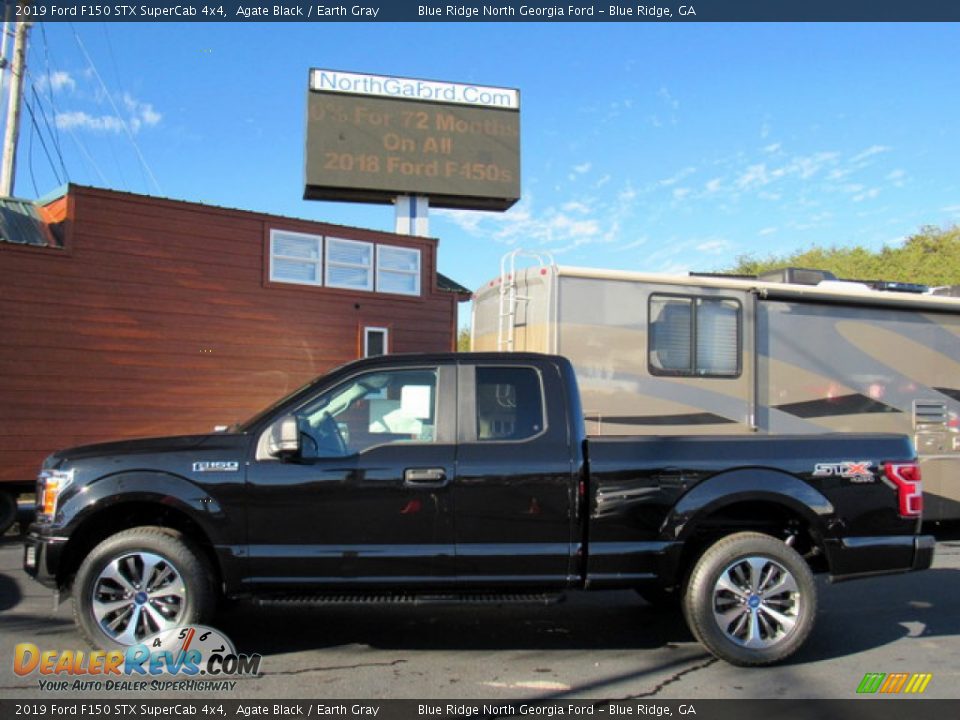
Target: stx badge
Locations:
point(853, 471)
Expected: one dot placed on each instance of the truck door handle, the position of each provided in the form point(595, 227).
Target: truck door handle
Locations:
point(425, 476)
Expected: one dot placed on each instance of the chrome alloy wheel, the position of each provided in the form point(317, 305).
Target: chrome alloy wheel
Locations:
point(138, 595)
point(756, 602)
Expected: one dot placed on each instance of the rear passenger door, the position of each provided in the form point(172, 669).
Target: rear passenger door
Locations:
point(514, 493)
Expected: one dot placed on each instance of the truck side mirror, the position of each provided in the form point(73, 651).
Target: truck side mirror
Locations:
point(285, 438)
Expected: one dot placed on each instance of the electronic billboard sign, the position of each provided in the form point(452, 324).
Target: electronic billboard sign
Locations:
point(371, 138)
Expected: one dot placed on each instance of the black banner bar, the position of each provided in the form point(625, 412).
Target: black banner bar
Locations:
point(323, 11)
point(136, 707)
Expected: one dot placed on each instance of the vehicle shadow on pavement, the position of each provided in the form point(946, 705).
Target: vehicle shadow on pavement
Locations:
point(871, 613)
point(10, 595)
point(606, 620)
point(853, 617)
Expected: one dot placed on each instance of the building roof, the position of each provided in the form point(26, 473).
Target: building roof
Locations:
point(21, 224)
point(27, 227)
point(447, 285)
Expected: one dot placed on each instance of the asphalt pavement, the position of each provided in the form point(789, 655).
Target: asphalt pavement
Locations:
point(608, 645)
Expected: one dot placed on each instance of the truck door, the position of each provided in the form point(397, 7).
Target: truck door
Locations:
point(514, 491)
point(367, 502)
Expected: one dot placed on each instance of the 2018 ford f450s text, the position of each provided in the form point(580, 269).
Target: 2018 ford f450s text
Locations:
point(407, 478)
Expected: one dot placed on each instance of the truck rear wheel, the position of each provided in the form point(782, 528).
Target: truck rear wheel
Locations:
point(137, 583)
point(751, 599)
point(8, 510)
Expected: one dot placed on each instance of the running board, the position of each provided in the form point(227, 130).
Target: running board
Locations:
point(412, 599)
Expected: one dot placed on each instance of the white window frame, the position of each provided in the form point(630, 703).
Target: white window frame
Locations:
point(367, 329)
point(319, 261)
point(332, 263)
point(417, 274)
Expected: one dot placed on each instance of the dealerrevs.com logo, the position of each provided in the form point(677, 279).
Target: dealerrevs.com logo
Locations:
point(189, 658)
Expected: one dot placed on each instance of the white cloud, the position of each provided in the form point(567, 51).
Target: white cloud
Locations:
point(680, 193)
point(897, 177)
point(677, 177)
point(634, 244)
point(772, 148)
point(60, 80)
point(866, 195)
point(669, 99)
point(767, 231)
point(82, 120)
point(713, 247)
point(576, 206)
point(57, 80)
point(869, 152)
point(582, 168)
point(753, 176)
point(713, 185)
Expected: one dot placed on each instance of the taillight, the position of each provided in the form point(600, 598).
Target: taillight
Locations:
point(905, 477)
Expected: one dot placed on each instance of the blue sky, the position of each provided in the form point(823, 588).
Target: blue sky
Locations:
point(646, 147)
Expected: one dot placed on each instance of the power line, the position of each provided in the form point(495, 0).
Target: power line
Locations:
point(33, 180)
point(87, 156)
point(55, 136)
point(43, 144)
point(123, 122)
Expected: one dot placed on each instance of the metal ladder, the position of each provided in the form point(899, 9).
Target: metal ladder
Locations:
point(509, 294)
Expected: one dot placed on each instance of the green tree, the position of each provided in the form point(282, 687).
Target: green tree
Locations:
point(463, 339)
point(930, 256)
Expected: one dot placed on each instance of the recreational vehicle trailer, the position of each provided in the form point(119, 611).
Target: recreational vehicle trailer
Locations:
point(795, 353)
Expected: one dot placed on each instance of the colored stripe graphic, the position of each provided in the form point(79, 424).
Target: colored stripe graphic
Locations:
point(918, 683)
point(870, 683)
point(893, 683)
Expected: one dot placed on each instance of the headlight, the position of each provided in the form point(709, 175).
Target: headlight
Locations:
point(50, 485)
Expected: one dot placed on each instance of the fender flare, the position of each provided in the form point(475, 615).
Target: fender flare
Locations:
point(159, 488)
point(747, 485)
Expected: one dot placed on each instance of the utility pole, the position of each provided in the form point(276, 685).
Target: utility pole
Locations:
point(3, 43)
point(12, 134)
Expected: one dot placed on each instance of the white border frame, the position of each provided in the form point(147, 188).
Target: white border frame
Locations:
point(321, 259)
point(370, 267)
point(418, 274)
point(386, 339)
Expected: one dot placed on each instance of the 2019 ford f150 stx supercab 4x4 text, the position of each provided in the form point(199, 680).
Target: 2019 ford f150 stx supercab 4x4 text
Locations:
point(452, 475)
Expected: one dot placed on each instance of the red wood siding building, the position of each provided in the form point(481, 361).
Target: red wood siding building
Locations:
point(136, 316)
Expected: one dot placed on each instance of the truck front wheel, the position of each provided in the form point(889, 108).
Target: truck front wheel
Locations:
point(751, 599)
point(137, 583)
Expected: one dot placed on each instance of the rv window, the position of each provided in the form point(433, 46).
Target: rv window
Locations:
point(694, 336)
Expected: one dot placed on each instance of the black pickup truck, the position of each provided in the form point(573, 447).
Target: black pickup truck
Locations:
point(462, 476)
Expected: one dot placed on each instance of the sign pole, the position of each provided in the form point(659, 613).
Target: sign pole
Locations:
point(412, 215)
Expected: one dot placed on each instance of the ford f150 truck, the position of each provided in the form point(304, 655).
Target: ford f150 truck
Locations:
point(459, 476)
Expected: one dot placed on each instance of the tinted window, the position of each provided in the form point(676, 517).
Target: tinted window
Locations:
point(509, 403)
point(371, 409)
point(694, 336)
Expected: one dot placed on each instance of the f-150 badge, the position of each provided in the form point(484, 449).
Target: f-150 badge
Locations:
point(853, 471)
point(217, 466)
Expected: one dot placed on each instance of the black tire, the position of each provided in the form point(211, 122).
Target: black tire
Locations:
point(751, 600)
point(139, 582)
point(8, 510)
